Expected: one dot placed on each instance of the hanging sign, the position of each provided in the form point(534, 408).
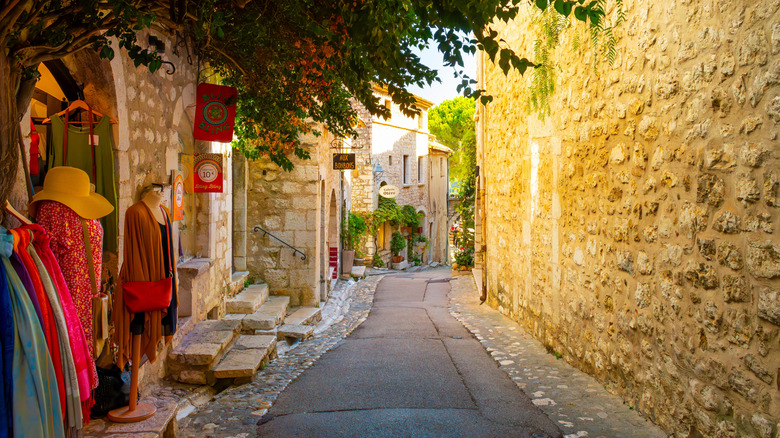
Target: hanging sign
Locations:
point(178, 196)
point(215, 113)
point(388, 191)
point(208, 173)
point(343, 161)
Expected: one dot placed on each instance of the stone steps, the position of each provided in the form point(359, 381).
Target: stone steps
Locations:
point(245, 357)
point(290, 332)
point(248, 300)
point(304, 316)
point(238, 346)
point(192, 360)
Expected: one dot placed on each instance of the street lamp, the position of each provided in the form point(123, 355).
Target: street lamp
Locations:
point(378, 171)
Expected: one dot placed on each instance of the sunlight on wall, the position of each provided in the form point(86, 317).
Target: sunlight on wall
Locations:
point(534, 177)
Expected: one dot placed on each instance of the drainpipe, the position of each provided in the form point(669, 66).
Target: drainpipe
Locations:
point(479, 201)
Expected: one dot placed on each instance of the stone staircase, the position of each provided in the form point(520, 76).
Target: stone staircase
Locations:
point(236, 347)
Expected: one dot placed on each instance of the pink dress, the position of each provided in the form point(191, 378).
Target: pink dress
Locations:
point(67, 244)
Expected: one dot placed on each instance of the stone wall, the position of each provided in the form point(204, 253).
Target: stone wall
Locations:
point(295, 207)
point(633, 231)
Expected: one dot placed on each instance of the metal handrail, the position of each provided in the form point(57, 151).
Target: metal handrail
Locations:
point(266, 232)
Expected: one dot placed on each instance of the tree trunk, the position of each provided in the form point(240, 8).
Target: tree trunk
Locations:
point(9, 126)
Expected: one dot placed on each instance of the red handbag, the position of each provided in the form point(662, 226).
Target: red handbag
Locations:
point(148, 296)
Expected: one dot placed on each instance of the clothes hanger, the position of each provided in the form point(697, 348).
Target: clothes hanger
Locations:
point(76, 105)
point(12, 211)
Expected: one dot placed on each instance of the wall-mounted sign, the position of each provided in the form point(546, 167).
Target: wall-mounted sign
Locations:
point(388, 191)
point(343, 161)
point(208, 173)
point(178, 196)
point(215, 113)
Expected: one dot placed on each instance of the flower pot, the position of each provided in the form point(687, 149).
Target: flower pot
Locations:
point(347, 258)
point(360, 262)
point(398, 259)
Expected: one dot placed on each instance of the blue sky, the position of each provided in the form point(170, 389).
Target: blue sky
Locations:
point(448, 88)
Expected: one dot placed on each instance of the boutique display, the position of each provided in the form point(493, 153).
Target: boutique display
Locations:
point(149, 272)
point(47, 359)
point(91, 149)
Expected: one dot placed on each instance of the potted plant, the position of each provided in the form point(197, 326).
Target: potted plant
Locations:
point(351, 230)
point(397, 244)
point(360, 259)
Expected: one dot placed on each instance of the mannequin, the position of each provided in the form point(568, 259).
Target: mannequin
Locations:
point(153, 199)
point(148, 257)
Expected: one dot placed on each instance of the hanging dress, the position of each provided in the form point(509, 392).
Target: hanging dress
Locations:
point(36, 401)
point(85, 367)
point(21, 242)
point(72, 400)
point(7, 335)
point(63, 225)
point(143, 261)
point(79, 155)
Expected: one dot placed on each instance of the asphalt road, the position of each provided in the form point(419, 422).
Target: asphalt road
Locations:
point(410, 370)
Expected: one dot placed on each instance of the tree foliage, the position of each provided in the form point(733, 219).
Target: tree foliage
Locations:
point(452, 122)
point(296, 63)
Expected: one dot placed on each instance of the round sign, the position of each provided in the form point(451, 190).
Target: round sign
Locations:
point(388, 191)
point(179, 191)
point(215, 112)
point(208, 172)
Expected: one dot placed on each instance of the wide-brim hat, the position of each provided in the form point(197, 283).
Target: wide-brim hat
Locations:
point(70, 186)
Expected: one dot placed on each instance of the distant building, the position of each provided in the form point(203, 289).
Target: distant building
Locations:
point(399, 151)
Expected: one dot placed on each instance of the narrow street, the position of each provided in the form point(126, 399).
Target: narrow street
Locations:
point(399, 363)
point(410, 369)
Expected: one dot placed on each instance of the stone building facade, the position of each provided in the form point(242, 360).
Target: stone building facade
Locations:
point(153, 137)
point(634, 230)
point(410, 160)
point(302, 208)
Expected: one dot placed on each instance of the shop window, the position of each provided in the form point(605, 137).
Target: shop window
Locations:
point(391, 159)
point(420, 164)
point(407, 170)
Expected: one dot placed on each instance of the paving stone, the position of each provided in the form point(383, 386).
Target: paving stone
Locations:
point(239, 363)
point(268, 316)
point(304, 316)
point(249, 300)
point(201, 348)
point(358, 271)
point(296, 331)
point(256, 342)
point(213, 325)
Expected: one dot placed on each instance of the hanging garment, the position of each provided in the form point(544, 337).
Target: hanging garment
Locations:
point(63, 225)
point(35, 152)
point(21, 271)
point(21, 242)
point(170, 319)
point(36, 402)
point(85, 368)
point(143, 261)
point(7, 335)
point(72, 400)
point(79, 155)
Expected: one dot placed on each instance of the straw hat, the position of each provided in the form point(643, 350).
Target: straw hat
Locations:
point(70, 186)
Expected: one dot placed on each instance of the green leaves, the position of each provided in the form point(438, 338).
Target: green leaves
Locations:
point(564, 7)
point(541, 4)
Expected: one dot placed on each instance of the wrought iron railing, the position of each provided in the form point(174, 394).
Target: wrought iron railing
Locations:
point(268, 233)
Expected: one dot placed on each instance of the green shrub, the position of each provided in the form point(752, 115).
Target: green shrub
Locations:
point(397, 243)
point(377, 261)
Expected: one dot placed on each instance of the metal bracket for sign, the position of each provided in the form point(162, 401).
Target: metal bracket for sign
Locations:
point(267, 233)
point(338, 143)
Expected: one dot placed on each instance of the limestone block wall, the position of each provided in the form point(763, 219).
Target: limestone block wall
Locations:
point(634, 230)
point(294, 206)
